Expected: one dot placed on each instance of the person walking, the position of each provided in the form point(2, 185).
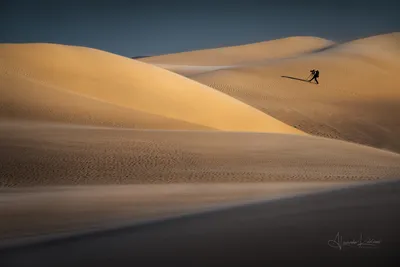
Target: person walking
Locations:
point(312, 73)
point(315, 76)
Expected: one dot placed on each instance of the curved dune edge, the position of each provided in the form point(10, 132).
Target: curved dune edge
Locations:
point(355, 100)
point(240, 54)
point(387, 41)
point(131, 84)
point(33, 101)
point(53, 154)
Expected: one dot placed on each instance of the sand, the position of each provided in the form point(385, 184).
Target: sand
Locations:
point(76, 122)
point(55, 154)
point(294, 230)
point(65, 210)
point(29, 100)
point(234, 55)
point(355, 101)
point(51, 172)
point(55, 70)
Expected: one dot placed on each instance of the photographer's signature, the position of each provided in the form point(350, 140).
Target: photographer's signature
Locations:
point(360, 243)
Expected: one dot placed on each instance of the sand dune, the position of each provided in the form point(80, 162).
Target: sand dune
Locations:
point(355, 101)
point(389, 41)
point(289, 231)
point(285, 47)
point(189, 70)
point(31, 71)
point(43, 154)
point(25, 99)
point(66, 210)
point(54, 99)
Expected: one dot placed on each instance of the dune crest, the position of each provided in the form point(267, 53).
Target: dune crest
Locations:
point(355, 100)
point(124, 83)
point(389, 40)
point(240, 54)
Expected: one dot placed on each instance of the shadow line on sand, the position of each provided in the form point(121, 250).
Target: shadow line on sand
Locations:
point(268, 225)
point(294, 78)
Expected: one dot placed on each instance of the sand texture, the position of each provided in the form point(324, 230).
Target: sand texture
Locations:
point(49, 154)
point(88, 137)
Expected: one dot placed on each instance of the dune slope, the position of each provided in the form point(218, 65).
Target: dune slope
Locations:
point(50, 154)
point(28, 100)
point(241, 54)
point(355, 101)
point(34, 69)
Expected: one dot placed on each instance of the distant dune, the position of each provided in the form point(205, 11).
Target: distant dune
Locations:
point(82, 85)
point(388, 41)
point(355, 101)
point(241, 54)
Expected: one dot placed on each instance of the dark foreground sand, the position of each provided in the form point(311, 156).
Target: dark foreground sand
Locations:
point(295, 231)
point(31, 214)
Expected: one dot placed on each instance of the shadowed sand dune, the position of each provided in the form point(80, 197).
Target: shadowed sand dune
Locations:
point(310, 230)
point(66, 209)
point(241, 54)
point(42, 154)
point(31, 71)
point(355, 101)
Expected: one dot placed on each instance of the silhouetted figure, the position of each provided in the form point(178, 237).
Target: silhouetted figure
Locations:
point(315, 76)
point(312, 74)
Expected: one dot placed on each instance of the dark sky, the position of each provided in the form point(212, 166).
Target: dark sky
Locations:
point(151, 27)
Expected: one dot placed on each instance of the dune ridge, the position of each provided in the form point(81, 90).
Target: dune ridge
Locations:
point(241, 54)
point(126, 83)
point(355, 100)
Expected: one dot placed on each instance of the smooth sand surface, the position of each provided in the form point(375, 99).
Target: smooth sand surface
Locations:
point(27, 99)
point(299, 230)
point(189, 70)
point(234, 55)
point(37, 154)
point(49, 72)
point(68, 209)
point(356, 100)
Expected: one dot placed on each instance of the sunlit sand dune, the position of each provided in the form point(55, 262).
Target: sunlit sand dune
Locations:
point(38, 76)
point(234, 55)
point(387, 42)
point(25, 99)
point(356, 100)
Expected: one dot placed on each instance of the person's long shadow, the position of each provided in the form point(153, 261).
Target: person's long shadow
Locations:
point(294, 78)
